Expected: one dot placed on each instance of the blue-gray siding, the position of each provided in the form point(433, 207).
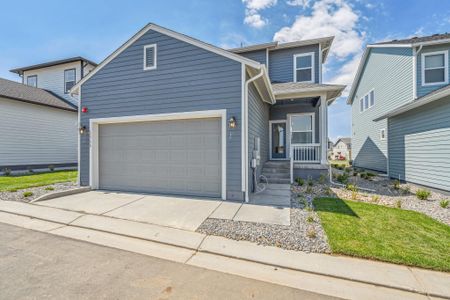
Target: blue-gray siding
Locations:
point(281, 63)
point(388, 72)
point(187, 78)
point(257, 55)
point(419, 145)
point(258, 126)
point(423, 90)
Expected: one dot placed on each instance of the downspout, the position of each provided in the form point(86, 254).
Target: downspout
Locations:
point(415, 54)
point(321, 61)
point(245, 137)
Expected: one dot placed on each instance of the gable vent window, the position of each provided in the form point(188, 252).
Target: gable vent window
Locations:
point(32, 80)
point(304, 67)
point(435, 68)
point(69, 79)
point(150, 57)
point(367, 101)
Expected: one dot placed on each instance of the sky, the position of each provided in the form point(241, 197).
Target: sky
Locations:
point(33, 32)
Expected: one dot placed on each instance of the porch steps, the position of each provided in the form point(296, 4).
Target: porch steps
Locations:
point(277, 172)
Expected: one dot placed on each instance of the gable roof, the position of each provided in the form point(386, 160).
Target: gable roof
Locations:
point(290, 90)
point(346, 140)
point(21, 92)
point(173, 34)
point(425, 99)
point(52, 63)
point(407, 43)
point(325, 44)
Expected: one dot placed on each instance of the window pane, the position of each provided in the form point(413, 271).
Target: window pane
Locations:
point(436, 75)
point(69, 75)
point(69, 85)
point(301, 123)
point(372, 98)
point(302, 137)
point(304, 75)
point(434, 61)
point(366, 101)
point(150, 57)
point(32, 81)
point(361, 104)
point(304, 61)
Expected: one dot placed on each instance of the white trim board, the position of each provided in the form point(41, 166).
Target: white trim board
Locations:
point(172, 34)
point(155, 57)
point(313, 73)
point(94, 141)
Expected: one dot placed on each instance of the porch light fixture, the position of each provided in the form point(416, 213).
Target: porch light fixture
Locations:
point(232, 122)
point(83, 130)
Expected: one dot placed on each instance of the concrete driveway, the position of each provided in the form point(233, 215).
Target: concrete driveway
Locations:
point(186, 213)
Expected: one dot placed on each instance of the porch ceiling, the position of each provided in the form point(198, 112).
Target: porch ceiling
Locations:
point(292, 90)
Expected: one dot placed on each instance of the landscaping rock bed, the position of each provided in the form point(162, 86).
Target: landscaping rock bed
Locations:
point(304, 233)
point(36, 192)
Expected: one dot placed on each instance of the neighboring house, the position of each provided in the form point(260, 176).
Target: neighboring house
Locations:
point(57, 76)
point(342, 149)
point(37, 128)
point(167, 113)
point(401, 110)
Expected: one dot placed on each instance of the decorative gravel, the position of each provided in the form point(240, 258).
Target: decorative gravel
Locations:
point(299, 235)
point(37, 192)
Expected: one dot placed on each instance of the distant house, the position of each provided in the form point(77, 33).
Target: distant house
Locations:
point(39, 122)
point(401, 110)
point(341, 149)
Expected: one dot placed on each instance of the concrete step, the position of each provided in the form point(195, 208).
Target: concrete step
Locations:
point(279, 180)
point(277, 164)
point(276, 175)
point(276, 170)
point(277, 193)
point(274, 186)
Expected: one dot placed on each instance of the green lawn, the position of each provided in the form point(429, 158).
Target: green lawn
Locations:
point(12, 183)
point(384, 233)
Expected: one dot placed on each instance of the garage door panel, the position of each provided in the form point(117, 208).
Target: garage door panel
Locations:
point(177, 157)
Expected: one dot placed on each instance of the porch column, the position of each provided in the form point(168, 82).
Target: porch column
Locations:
point(323, 129)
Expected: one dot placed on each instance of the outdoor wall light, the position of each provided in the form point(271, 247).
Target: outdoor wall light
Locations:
point(83, 130)
point(232, 122)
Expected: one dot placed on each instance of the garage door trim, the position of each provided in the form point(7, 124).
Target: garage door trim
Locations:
point(94, 139)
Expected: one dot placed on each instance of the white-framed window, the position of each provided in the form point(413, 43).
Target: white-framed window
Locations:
point(435, 68)
point(302, 128)
point(304, 67)
point(383, 134)
point(32, 80)
point(69, 79)
point(150, 57)
point(367, 101)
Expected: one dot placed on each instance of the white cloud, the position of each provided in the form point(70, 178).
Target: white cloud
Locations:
point(252, 16)
point(347, 72)
point(328, 18)
point(302, 3)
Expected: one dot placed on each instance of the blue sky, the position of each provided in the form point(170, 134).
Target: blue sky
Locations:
point(37, 31)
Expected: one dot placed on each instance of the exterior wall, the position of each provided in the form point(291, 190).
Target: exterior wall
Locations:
point(258, 126)
point(388, 72)
point(257, 55)
point(341, 148)
point(52, 78)
point(419, 145)
point(36, 135)
point(423, 90)
point(281, 63)
point(187, 78)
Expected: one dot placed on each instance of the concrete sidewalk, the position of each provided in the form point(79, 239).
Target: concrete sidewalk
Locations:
point(351, 278)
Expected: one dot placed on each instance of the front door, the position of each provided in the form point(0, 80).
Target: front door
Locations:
point(278, 146)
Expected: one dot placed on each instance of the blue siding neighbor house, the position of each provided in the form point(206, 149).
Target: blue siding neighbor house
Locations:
point(400, 102)
point(166, 113)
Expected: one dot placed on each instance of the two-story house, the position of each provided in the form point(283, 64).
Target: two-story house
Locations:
point(39, 122)
point(400, 102)
point(341, 150)
point(167, 113)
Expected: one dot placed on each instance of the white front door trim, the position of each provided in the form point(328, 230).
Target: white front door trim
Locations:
point(94, 146)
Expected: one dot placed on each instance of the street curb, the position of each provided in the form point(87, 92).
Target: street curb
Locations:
point(54, 195)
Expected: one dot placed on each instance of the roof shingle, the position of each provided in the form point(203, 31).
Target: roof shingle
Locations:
point(414, 40)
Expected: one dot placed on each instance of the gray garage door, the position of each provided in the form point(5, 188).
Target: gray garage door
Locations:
point(170, 157)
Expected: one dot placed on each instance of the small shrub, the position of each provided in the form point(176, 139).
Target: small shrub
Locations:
point(51, 168)
point(423, 194)
point(335, 166)
point(348, 170)
point(364, 175)
point(406, 190)
point(27, 194)
point(6, 172)
point(12, 190)
point(299, 181)
point(328, 191)
point(355, 173)
point(340, 167)
point(310, 181)
point(311, 233)
point(398, 204)
point(322, 178)
point(396, 184)
point(49, 188)
point(308, 208)
point(309, 189)
point(30, 170)
point(375, 198)
point(354, 195)
point(350, 162)
point(370, 174)
point(310, 219)
point(351, 187)
point(342, 178)
point(444, 203)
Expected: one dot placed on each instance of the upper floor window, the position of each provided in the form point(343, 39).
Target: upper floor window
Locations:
point(304, 67)
point(367, 101)
point(150, 57)
point(69, 79)
point(435, 68)
point(32, 80)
